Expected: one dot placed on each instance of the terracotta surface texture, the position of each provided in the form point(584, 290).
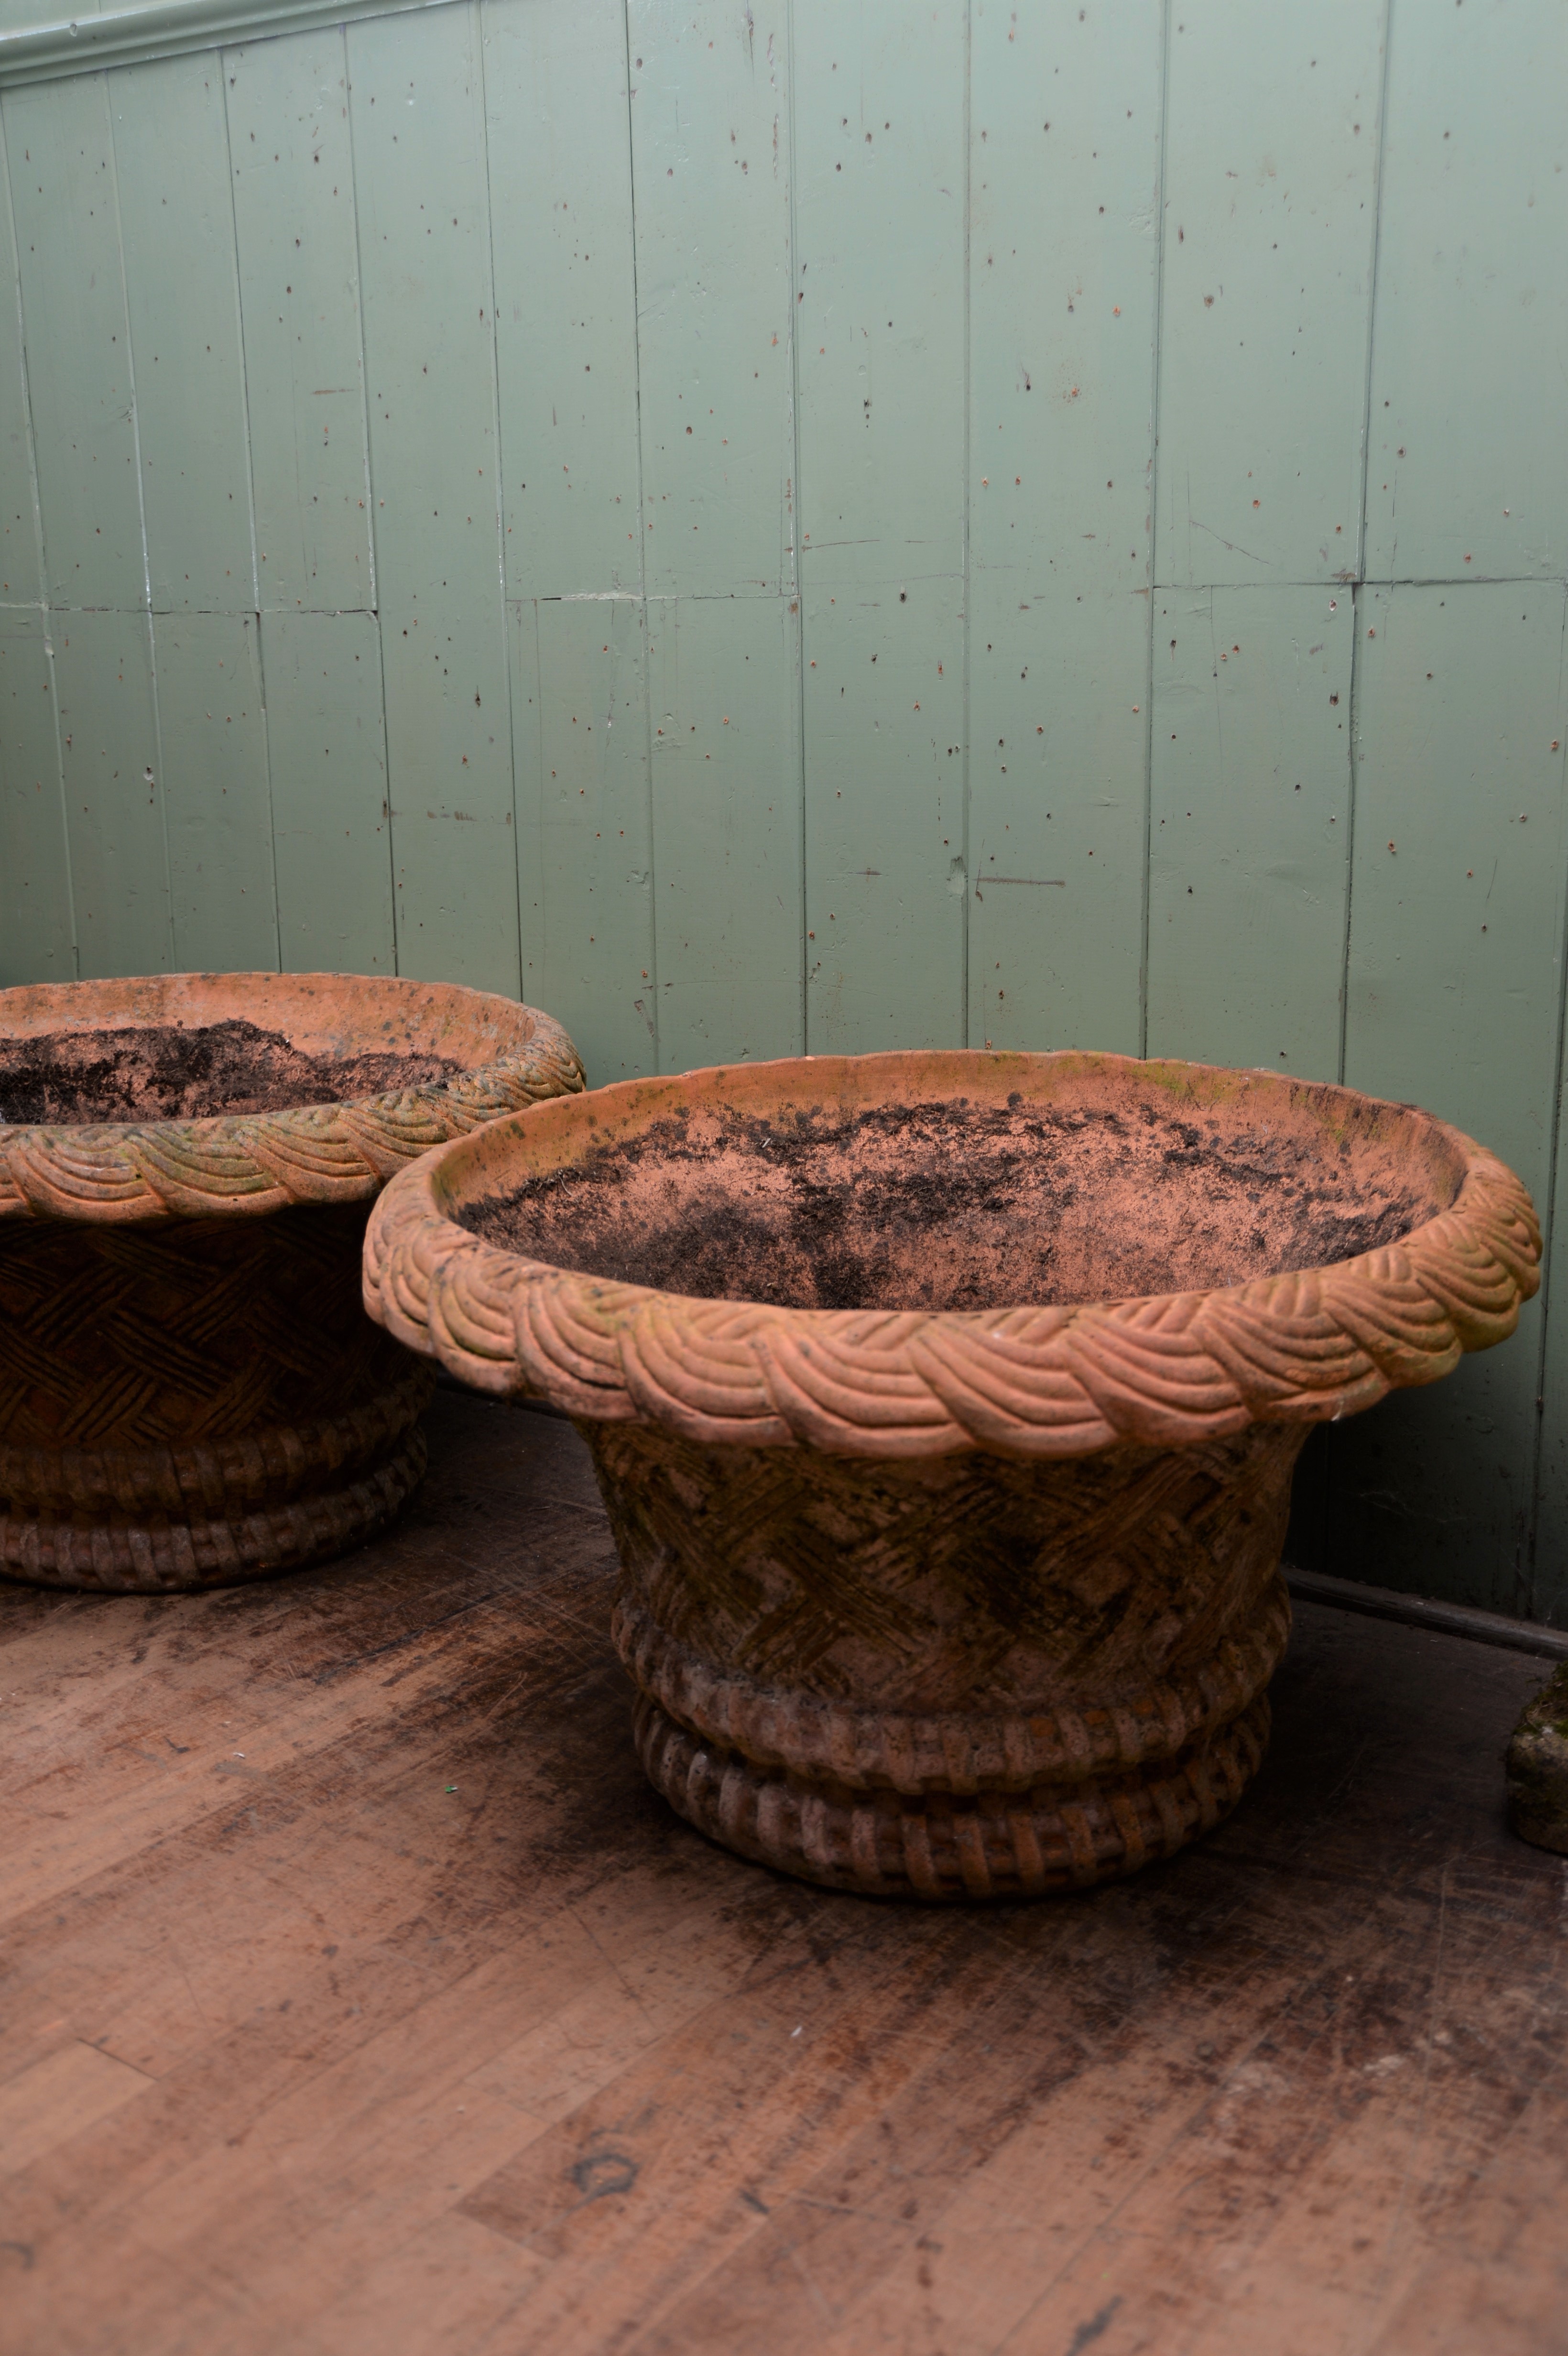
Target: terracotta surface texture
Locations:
point(945, 1406)
point(190, 1392)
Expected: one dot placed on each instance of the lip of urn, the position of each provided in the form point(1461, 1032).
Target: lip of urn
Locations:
point(190, 1392)
point(944, 1406)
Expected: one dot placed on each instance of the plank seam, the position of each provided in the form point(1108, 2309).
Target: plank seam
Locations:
point(726, 598)
point(966, 591)
point(1549, 1211)
point(370, 508)
point(224, 85)
point(1361, 582)
point(114, 159)
point(480, 17)
point(1357, 590)
point(793, 527)
point(1373, 293)
point(373, 608)
point(37, 495)
point(1146, 913)
point(648, 802)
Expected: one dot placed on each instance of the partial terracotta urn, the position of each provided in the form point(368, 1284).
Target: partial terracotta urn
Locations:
point(190, 1391)
point(945, 1407)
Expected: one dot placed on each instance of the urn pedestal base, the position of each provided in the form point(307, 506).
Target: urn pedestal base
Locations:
point(950, 1677)
point(195, 1402)
point(946, 1844)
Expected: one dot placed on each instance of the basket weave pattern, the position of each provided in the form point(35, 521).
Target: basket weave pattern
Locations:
point(785, 1636)
point(196, 1400)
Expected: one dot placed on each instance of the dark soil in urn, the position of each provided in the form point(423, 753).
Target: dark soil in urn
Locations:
point(162, 1072)
point(948, 1206)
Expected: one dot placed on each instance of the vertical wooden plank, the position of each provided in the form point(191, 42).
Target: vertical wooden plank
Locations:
point(560, 197)
point(113, 793)
point(880, 145)
point(416, 104)
point(1065, 169)
point(1250, 826)
point(1431, 1493)
point(21, 551)
point(1549, 1533)
point(219, 814)
point(1469, 411)
point(724, 692)
point(1270, 221)
point(884, 874)
point(1454, 1001)
point(880, 123)
point(299, 298)
point(710, 132)
point(36, 938)
point(1058, 816)
point(178, 221)
point(1547, 1585)
point(62, 155)
point(580, 694)
point(326, 756)
point(1063, 292)
point(1459, 857)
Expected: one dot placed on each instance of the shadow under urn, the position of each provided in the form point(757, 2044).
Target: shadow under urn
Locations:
point(945, 1407)
point(190, 1391)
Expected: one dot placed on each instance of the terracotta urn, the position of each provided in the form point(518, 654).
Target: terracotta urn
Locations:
point(945, 1407)
point(190, 1391)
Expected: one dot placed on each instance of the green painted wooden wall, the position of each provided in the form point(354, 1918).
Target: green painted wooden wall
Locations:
point(764, 524)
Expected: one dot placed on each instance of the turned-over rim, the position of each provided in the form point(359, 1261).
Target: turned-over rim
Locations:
point(1054, 1380)
point(252, 1163)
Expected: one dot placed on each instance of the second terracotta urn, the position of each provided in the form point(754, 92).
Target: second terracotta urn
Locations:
point(190, 1391)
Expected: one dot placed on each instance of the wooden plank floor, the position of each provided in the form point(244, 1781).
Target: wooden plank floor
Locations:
point(358, 1997)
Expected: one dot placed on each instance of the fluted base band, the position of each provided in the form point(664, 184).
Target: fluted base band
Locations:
point(159, 1553)
point(194, 1402)
point(968, 1751)
point(932, 1845)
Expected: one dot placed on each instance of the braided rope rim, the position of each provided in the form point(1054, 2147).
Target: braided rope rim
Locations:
point(249, 1164)
point(1062, 1380)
